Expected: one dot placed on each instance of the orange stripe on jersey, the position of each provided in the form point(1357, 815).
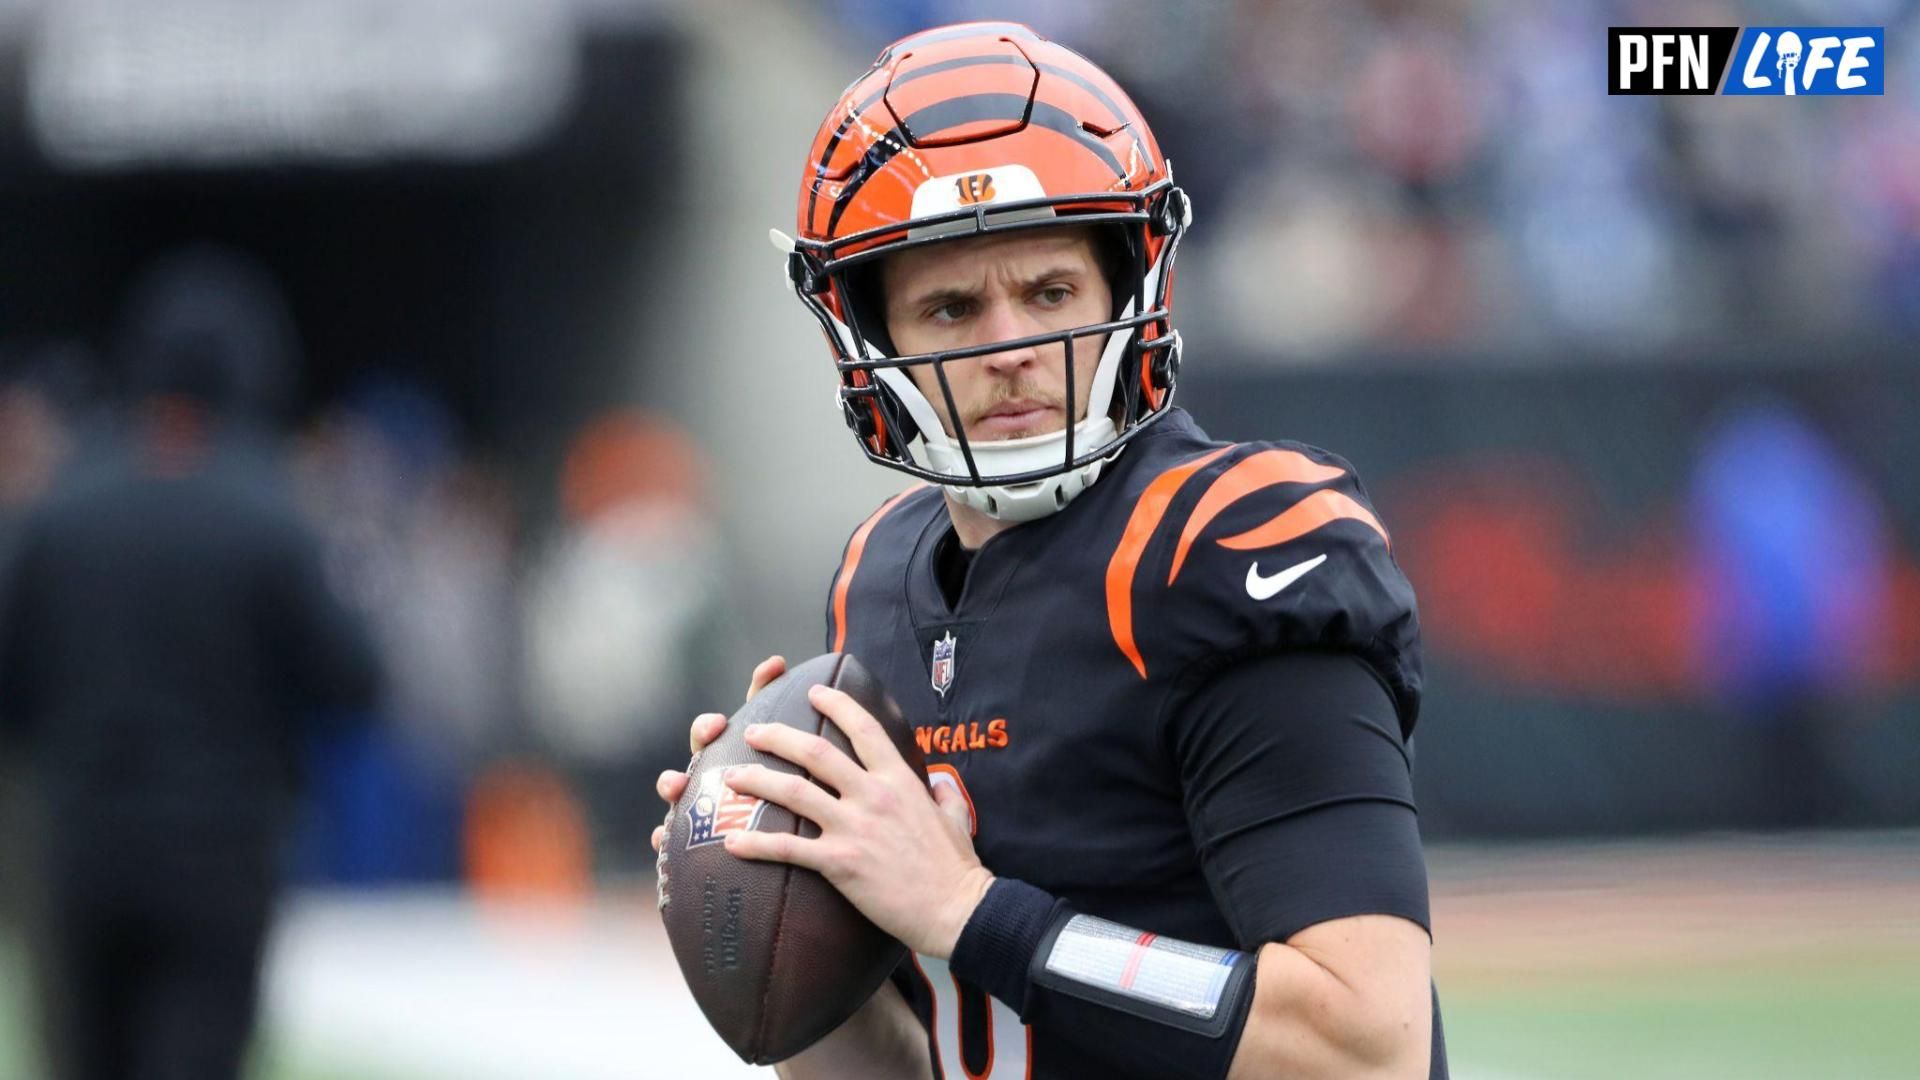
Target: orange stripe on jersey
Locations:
point(855, 546)
point(1133, 544)
point(1261, 470)
point(1303, 517)
point(960, 997)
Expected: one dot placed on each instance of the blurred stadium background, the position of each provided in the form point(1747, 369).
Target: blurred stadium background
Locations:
point(1633, 379)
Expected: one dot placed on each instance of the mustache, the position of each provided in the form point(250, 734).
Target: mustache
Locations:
point(1022, 390)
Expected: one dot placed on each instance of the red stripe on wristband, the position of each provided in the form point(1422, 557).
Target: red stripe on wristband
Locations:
point(1140, 946)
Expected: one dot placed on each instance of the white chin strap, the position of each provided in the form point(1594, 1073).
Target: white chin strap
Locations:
point(1019, 502)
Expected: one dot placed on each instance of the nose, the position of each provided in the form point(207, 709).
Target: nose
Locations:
point(1004, 322)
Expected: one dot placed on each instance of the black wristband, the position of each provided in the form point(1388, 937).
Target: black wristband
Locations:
point(1003, 950)
point(998, 944)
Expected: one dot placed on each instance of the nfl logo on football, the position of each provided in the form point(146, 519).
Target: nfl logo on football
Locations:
point(943, 664)
point(719, 811)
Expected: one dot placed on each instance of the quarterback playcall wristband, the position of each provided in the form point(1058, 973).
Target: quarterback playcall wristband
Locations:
point(1023, 944)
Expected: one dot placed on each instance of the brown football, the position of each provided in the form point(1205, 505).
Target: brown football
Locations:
point(774, 955)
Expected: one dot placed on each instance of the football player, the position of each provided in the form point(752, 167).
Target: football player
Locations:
point(1165, 684)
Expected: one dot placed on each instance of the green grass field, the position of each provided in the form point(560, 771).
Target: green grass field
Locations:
point(1722, 957)
point(1853, 1021)
point(1694, 960)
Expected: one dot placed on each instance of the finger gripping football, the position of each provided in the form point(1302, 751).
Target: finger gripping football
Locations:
point(774, 955)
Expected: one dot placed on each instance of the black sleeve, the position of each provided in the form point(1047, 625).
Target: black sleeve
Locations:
point(1300, 802)
point(323, 647)
point(1299, 794)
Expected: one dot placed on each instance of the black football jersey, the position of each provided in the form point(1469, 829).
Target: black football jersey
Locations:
point(1041, 693)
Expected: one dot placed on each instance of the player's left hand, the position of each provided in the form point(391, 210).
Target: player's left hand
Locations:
point(899, 853)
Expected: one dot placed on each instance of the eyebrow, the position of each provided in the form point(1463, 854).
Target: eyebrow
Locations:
point(953, 294)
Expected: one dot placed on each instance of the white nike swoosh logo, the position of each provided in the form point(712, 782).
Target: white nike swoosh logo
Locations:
point(1260, 587)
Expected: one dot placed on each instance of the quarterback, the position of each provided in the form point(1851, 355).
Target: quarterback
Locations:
point(1165, 684)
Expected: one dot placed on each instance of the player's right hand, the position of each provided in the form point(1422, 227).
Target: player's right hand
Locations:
point(706, 728)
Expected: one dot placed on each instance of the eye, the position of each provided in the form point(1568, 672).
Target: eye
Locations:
point(951, 311)
point(1054, 295)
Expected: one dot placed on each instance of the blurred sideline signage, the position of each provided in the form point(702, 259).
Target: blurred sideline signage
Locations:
point(1789, 61)
point(1653, 596)
point(236, 82)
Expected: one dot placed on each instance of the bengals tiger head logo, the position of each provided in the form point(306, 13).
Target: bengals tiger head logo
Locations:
point(974, 188)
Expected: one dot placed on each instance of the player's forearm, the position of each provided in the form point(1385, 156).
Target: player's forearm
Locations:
point(1343, 998)
point(883, 1041)
point(1308, 1021)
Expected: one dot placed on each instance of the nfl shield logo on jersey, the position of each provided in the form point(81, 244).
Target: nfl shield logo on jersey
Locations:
point(943, 664)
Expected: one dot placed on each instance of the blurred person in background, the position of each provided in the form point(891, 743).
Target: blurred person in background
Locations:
point(627, 621)
point(1790, 545)
point(419, 539)
point(167, 632)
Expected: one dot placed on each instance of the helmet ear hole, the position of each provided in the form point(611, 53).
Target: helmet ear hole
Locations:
point(866, 306)
point(1114, 250)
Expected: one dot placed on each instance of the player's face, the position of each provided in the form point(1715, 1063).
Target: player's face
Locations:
point(996, 288)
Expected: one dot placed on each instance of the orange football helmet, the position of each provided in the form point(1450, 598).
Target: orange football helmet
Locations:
point(969, 130)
